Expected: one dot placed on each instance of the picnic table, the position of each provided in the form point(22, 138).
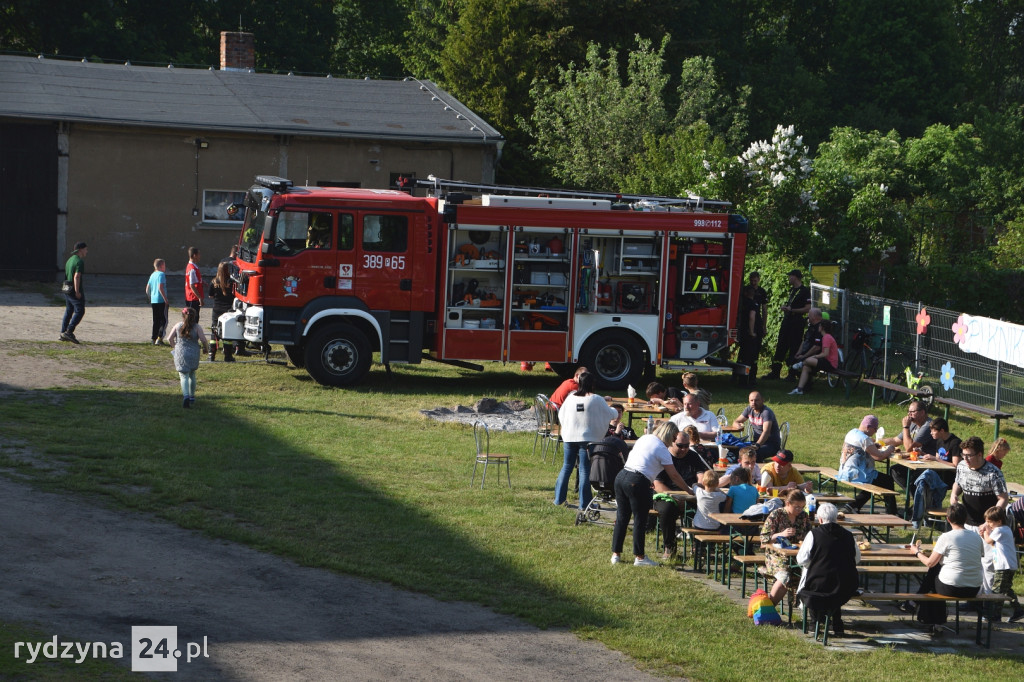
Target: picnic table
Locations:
point(918, 465)
point(644, 410)
point(737, 525)
point(868, 522)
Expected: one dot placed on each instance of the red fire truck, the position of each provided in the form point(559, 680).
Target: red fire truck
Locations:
point(621, 284)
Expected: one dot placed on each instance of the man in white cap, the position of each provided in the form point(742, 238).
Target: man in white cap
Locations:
point(74, 294)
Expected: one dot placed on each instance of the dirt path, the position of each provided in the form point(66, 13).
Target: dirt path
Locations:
point(87, 573)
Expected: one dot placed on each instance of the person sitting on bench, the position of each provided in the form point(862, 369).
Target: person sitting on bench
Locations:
point(916, 433)
point(954, 566)
point(825, 360)
point(829, 556)
point(764, 426)
point(857, 464)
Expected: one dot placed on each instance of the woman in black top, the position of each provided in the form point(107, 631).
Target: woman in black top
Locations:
point(222, 291)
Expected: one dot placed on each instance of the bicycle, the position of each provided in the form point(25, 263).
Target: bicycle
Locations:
point(862, 356)
point(868, 361)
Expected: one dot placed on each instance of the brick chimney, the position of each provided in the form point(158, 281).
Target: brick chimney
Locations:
point(237, 51)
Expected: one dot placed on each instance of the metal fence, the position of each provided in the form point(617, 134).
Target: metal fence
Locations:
point(974, 379)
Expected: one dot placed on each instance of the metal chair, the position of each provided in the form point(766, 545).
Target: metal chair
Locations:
point(540, 411)
point(554, 431)
point(484, 456)
point(784, 434)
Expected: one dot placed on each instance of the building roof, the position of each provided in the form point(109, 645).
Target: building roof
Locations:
point(238, 101)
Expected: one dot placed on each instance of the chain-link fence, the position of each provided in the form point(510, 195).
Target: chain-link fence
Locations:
point(974, 379)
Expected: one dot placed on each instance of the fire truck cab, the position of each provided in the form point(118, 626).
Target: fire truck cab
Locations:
point(484, 273)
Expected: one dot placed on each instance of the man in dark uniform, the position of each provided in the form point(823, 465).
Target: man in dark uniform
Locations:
point(761, 298)
point(791, 332)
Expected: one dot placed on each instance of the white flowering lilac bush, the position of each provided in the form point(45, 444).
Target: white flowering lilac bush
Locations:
point(769, 183)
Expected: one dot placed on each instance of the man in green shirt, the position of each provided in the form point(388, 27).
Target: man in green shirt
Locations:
point(74, 299)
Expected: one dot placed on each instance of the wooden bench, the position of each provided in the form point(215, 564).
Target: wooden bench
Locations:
point(747, 561)
point(711, 540)
point(896, 571)
point(833, 475)
point(845, 378)
point(988, 412)
point(889, 386)
point(933, 597)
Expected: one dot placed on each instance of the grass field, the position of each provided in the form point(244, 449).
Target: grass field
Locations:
point(357, 481)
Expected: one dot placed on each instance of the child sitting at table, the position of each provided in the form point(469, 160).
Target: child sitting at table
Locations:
point(696, 446)
point(742, 494)
point(709, 501)
point(1000, 561)
point(617, 428)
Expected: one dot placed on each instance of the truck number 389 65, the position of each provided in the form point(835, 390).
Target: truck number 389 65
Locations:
point(376, 261)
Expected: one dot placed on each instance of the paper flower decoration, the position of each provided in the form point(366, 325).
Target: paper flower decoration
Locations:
point(923, 320)
point(959, 330)
point(948, 372)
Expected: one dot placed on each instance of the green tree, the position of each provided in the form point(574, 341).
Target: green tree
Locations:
point(860, 185)
point(675, 164)
point(703, 98)
point(894, 65)
point(368, 37)
point(993, 47)
point(592, 122)
point(428, 25)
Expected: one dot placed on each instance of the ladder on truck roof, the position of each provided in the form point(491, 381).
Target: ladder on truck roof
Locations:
point(442, 187)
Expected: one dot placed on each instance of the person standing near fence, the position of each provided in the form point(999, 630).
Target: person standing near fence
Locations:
point(791, 331)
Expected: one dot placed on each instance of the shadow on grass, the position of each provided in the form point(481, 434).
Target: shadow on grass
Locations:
point(259, 484)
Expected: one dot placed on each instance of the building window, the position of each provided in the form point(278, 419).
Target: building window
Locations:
point(404, 182)
point(223, 206)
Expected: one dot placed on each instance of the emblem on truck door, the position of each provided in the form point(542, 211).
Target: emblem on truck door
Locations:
point(291, 286)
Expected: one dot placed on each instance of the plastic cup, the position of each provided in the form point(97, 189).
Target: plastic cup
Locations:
point(632, 400)
point(913, 455)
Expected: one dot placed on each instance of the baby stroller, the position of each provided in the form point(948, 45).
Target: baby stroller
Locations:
point(606, 461)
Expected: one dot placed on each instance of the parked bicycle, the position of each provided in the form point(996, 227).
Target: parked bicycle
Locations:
point(864, 359)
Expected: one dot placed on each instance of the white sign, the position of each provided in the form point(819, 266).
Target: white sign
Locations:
point(993, 339)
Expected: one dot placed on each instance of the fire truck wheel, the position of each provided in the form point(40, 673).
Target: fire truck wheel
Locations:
point(297, 355)
point(615, 357)
point(338, 355)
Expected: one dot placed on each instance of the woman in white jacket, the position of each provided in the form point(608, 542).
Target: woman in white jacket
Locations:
point(584, 418)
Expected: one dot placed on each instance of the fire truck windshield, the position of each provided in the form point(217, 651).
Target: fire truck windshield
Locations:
point(252, 230)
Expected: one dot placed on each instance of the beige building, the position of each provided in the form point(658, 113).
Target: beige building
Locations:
point(142, 162)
